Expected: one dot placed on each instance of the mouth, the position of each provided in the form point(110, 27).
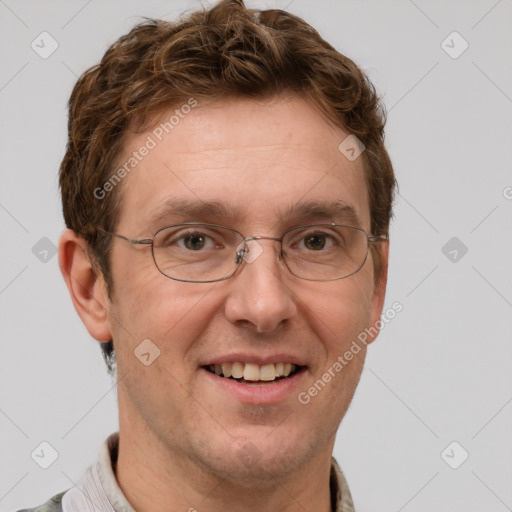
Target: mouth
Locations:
point(251, 373)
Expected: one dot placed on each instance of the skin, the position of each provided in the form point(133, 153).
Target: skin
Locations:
point(180, 436)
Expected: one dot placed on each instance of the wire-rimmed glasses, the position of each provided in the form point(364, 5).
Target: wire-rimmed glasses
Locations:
point(203, 253)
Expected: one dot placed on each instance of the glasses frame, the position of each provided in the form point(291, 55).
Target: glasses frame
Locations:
point(239, 257)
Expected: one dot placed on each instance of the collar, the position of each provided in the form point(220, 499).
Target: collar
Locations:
point(98, 490)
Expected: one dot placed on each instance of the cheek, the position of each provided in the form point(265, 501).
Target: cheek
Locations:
point(169, 313)
point(341, 314)
point(342, 311)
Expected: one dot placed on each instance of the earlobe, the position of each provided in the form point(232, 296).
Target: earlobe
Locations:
point(379, 293)
point(86, 287)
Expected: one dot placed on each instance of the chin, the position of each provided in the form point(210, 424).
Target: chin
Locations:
point(259, 460)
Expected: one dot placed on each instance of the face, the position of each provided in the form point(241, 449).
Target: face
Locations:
point(260, 159)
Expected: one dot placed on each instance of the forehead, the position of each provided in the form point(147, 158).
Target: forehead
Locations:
point(240, 160)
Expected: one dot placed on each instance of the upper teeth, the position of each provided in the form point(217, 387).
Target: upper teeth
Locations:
point(251, 371)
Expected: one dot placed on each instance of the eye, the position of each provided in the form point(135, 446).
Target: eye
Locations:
point(187, 240)
point(194, 242)
point(315, 242)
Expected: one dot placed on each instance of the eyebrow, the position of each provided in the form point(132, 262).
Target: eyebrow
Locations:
point(197, 210)
point(330, 210)
point(194, 210)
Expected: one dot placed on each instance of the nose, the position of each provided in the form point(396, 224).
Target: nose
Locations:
point(259, 292)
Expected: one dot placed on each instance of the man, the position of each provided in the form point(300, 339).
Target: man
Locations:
point(228, 198)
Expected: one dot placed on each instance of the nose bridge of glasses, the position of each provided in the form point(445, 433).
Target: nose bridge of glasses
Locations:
point(244, 252)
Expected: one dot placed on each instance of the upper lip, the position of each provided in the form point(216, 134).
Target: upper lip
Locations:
point(244, 357)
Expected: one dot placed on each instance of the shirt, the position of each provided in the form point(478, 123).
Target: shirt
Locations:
point(98, 490)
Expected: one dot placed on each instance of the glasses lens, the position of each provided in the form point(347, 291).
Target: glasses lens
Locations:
point(199, 252)
point(325, 252)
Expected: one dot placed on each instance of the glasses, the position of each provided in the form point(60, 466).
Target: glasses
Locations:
point(204, 253)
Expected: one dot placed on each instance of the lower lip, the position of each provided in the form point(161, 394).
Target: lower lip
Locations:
point(258, 394)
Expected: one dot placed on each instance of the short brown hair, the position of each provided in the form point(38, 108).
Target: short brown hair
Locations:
point(221, 52)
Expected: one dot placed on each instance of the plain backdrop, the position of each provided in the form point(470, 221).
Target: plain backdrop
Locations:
point(439, 373)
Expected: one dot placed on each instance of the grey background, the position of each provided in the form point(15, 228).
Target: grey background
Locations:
point(439, 372)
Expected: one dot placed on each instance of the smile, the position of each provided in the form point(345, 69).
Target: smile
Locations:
point(251, 372)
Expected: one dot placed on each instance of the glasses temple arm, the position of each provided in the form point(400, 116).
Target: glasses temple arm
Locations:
point(144, 241)
point(378, 238)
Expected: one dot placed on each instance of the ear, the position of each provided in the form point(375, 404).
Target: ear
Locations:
point(85, 285)
point(379, 293)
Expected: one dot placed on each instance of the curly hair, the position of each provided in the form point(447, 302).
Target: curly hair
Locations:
point(221, 52)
